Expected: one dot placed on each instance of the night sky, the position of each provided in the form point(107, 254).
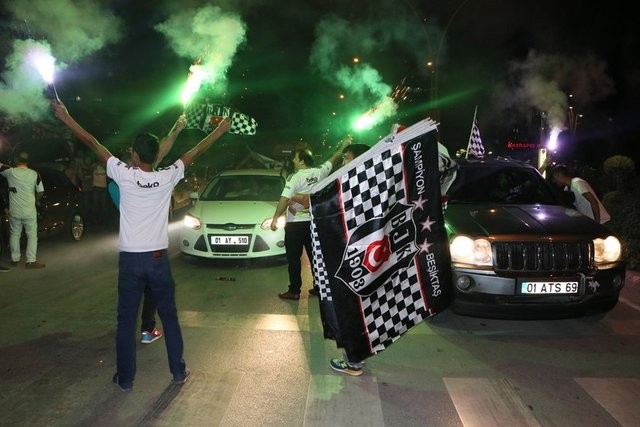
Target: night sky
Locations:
point(510, 59)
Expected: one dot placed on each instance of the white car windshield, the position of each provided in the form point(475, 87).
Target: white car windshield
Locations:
point(243, 188)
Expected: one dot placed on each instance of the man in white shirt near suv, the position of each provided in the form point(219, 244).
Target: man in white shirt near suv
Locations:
point(586, 201)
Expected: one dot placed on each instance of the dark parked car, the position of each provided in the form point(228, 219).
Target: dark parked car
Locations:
point(181, 196)
point(518, 252)
point(59, 213)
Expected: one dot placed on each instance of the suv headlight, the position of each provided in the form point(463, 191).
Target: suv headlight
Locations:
point(607, 250)
point(471, 251)
point(192, 222)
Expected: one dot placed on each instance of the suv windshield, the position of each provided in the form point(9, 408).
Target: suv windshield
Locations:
point(244, 187)
point(500, 185)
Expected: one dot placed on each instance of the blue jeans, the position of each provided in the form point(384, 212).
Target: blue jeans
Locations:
point(137, 270)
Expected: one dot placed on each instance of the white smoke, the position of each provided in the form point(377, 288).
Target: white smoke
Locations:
point(544, 82)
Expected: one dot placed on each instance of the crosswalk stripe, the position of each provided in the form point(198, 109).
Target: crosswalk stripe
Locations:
point(629, 303)
point(338, 400)
point(617, 395)
point(222, 320)
point(483, 402)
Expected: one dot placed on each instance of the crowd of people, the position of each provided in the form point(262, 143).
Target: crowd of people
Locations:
point(141, 193)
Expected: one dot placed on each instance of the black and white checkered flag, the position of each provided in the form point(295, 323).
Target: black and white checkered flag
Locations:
point(380, 251)
point(475, 148)
point(199, 117)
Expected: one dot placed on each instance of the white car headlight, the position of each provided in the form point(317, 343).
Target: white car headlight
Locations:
point(471, 251)
point(266, 224)
point(192, 222)
point(607, 250)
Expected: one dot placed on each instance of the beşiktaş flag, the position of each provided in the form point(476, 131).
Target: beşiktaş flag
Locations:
point(199, 116)
point(380, 251)
point(475, 148)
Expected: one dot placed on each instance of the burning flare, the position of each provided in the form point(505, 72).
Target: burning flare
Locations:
point(376, 114)
point(44, 62)
point(197, 75)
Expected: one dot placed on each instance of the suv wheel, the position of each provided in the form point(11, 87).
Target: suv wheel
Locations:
point(76, 227)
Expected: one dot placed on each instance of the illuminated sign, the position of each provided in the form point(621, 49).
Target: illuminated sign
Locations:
point(522, 145)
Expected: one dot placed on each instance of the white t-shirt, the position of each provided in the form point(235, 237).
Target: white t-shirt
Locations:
point(144, 204)
point(578, 187)
point(301, 182)
point(23, 185)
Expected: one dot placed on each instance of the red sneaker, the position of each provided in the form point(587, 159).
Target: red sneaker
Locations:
point(149, 337)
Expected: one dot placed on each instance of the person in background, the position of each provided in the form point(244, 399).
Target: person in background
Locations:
point(297, 231)
point(71, 171)
point(25, 191)
point(99, 206)
point(84, 175)
point(586, 201)
point(145, 196)
point(349, 153)
point(4, 213)
point(301, 201)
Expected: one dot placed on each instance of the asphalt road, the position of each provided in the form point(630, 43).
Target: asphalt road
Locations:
point(259, 361)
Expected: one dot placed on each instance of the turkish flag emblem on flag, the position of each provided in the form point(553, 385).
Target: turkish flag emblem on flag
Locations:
point(215, 121)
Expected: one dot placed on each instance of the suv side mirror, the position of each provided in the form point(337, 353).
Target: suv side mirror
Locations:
point(567, 198)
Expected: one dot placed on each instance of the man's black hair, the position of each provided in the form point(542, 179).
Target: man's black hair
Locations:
point(560, 170)
point(21, 157)
point(355, 149)
point(146, 145)
point(304, 155)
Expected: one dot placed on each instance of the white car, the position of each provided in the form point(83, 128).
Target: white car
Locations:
point(232, 217)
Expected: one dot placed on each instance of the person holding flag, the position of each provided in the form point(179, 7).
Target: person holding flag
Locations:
point(145, 196)
point(380, 249)
point(297, 230)
point(25, 191)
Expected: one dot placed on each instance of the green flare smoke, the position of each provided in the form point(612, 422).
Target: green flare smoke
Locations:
point(209, 35)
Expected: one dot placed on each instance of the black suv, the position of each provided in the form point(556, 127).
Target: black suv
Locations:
point(518, 252)
point(59, 212)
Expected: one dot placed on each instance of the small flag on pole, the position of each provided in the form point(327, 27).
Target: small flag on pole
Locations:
point(206, 116)
point(475, 148)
